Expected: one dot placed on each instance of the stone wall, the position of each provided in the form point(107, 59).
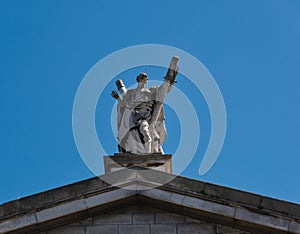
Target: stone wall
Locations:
point(143, 220)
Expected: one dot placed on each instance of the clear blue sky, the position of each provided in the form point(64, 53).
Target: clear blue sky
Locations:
point(252, 48)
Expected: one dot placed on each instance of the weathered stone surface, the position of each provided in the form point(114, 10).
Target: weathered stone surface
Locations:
point(88, 221)
point(140, 218)
point(53, 196)
point(62, 193)
point(294, 227)
point(18, 222)
point(196, 228)
point(187, 184)
point(163, 229)
point(155, 176)
point(125, 210)
point(169, 218)
point(180, 195)
point(134, 229)
point(143, 218)
point(113, 219)
point(208, 206)
point(260, 219)
point(163, 195)
point(221, 229)
point(137, 209)
point(103, 229)
point(61, 210)
point(126, 174)
point(281, 206)
point(36, 201)
point(248, 199)
point(68, 230)
point(193, 220)
point(147, 209)
point(139, 186)
point(153, 161)
point(10, 208)
point(110, 196)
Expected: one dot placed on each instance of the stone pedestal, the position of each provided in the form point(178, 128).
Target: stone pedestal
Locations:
point(161, 162)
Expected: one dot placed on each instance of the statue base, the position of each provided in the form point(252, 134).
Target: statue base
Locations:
point(160, 162)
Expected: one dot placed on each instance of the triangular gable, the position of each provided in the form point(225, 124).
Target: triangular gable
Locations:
point(176, 194)
point(143, 219)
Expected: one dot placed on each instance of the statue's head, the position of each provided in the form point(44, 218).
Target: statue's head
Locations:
point(142, 77)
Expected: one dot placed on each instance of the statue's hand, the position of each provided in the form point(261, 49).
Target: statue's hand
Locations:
point(176, 73)
point(114, 94)
point(152, 129)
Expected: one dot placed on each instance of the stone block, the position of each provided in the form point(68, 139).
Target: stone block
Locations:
point(67, 230)
point(281, 206)
point(187, 184)
point(232, 195)
point(119, 177)
point(294, 227)
point(61, 210)
point(158, 177)
point(110, 196)
point(50, 197)
point(196, 228)
point(169, 218)
point(16, 223)
point(29, 203)
point(163, 229)
point(134, 229)
point(208, 206)
point(153, 161)
point(10, 208)
point(143, 218)
point(260, 219)
point(163, 195)
point(137, 185)
point(113, 219)
point(221, 229)
point(103, 229)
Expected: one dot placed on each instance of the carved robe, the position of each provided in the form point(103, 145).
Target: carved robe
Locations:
point(137, 107)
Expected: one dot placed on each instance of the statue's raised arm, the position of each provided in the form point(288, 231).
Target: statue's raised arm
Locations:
point(165, 88)
point(141, 128)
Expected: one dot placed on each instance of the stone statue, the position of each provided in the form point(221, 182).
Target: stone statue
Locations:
point(141, 128)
